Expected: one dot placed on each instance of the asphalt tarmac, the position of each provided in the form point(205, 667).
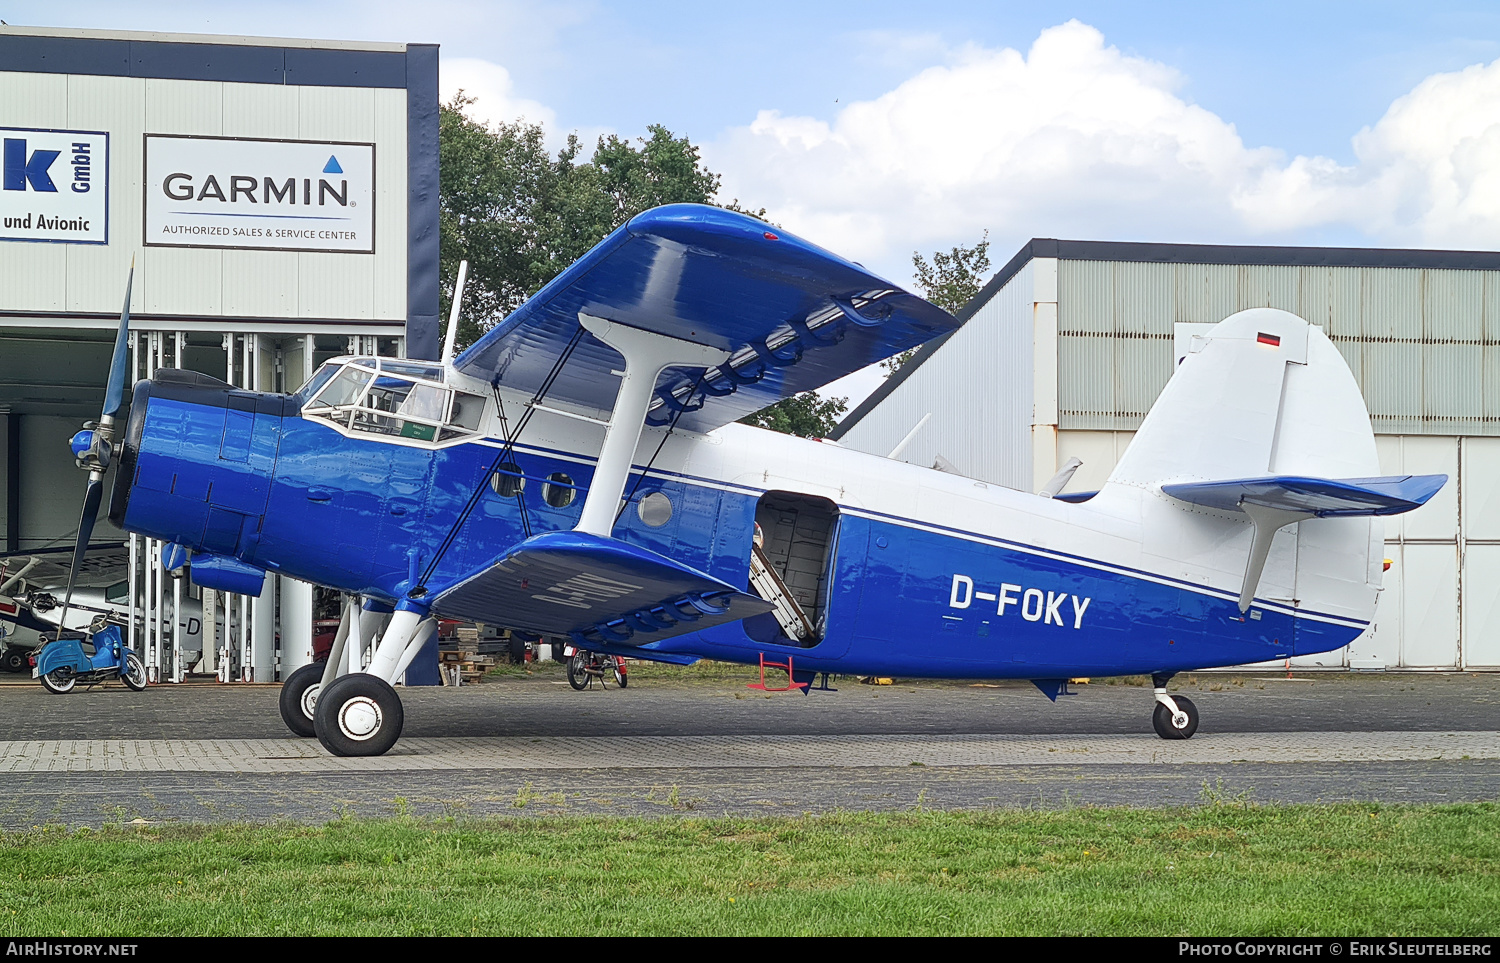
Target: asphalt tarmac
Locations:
point(683, 745)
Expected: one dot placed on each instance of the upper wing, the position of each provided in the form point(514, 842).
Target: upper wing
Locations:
point(1320, 497)
point(793, 316)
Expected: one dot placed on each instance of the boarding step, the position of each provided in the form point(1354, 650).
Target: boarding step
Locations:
point(769, 586)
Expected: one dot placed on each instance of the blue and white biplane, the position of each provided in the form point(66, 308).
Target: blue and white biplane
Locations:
point(579, 474)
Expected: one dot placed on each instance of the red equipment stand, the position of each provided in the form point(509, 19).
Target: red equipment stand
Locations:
point(791, 682)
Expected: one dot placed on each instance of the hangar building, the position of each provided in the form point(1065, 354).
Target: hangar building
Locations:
point(1066, 348)
point(279, 199)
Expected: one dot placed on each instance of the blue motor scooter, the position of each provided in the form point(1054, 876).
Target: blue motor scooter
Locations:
point(63, 664)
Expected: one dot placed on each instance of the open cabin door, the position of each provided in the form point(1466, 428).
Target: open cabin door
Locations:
point(791, 562)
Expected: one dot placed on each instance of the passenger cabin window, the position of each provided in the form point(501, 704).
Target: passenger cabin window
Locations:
point(394, 398)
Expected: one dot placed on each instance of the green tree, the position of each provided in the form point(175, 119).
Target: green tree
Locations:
point(520, 215)
point(950, 281)
point(807, 414)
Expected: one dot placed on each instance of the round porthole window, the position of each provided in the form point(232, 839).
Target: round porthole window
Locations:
point(655, 509)
point(558, 490)
point(507, 481)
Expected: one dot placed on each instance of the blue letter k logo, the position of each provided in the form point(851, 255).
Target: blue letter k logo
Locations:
point(19, 170)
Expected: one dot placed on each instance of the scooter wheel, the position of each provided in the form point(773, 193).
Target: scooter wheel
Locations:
point(134, 675)
point(578, 676)
point(59, 681)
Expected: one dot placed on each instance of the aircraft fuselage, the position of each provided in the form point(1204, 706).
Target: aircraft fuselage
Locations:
point(921, 572)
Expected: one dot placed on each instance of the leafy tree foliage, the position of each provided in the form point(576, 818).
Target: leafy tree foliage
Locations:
point(807, 414)
point(950, 281)
point(521, 215)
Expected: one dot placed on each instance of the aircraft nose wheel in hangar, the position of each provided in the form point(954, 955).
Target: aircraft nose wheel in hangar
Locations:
point(358, 715)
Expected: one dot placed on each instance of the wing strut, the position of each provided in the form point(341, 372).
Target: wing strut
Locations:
point(1268, 521)
point(647, 355)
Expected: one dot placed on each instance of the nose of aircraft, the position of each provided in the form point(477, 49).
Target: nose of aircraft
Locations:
point(196, 462)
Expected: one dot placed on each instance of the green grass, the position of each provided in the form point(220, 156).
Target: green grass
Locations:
point(1223, 868)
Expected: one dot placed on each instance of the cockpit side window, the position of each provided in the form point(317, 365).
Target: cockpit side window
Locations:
point(344, 389)
point(378, 396)
point(318, 380)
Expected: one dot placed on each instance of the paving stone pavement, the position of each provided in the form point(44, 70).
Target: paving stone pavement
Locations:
point(673, 747)
point(739, 752)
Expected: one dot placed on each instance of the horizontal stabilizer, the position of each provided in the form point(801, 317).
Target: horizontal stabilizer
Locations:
point(596, 590)
point(1315, 497)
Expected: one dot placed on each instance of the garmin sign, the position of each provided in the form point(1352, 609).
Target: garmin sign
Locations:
point(262, 194)
point(54, 186)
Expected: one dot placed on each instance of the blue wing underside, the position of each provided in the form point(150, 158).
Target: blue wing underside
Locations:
point(597, 591)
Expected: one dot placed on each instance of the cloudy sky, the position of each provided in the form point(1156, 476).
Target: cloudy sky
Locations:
point(877, 129)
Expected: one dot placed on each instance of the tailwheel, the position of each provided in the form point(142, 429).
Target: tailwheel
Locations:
point(358, 715)
point(1179, 720)
point(299, 697)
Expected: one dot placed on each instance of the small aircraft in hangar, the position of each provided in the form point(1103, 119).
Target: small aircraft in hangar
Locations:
point(578, 473)
point(31, 590)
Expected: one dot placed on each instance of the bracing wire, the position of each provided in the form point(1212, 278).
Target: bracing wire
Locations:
point(505, 453)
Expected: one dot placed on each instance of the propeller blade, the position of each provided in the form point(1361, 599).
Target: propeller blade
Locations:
point(114, 395)
point(80, 548)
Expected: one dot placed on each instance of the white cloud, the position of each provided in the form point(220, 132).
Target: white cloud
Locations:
point(1076, 139)
point(493, 90)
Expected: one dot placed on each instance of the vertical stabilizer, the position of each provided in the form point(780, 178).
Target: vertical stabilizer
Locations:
point(1264, 393)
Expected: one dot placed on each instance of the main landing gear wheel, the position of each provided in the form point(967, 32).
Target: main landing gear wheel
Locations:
point(299, 696)
point(1179, 725)
point(358, 715)
point(134, 675)
point(13, 660)
point(59, 681)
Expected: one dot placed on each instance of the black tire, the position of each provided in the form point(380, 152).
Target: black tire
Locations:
point(621, 679)
point(1161, 719)
point(13, 660)
point(578, 676)
point(358, 715)
point(59, 681)
point(134, 675)
point(298, 696)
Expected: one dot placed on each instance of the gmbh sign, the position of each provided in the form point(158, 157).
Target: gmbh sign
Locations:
point(282, 195)
point(54, 185)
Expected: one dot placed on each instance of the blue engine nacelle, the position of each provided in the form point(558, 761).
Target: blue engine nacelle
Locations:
point(196, 462)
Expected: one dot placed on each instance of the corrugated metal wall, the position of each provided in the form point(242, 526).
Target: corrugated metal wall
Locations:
point(268, 284)
point(978, 388)
point(1423, 344)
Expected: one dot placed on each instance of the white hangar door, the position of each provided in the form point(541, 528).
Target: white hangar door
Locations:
point(1417, 617)
point(1480, 499)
